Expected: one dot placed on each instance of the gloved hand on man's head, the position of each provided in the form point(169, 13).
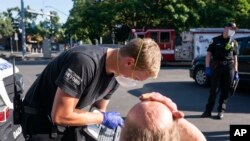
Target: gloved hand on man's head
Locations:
point(208, 71)
point(112, 119)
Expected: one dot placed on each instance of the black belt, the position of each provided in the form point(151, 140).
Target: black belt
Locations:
point(34, 111)
point(224, 62)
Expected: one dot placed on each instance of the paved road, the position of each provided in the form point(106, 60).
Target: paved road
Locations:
point(175, 83)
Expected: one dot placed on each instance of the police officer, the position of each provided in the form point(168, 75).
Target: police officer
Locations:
point(223, 68)
point(80, 77)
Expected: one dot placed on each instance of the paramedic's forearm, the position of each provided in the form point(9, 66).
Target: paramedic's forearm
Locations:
point(65, 113)
point(78, 118)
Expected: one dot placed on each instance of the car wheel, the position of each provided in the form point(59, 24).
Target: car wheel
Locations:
point(200, 77)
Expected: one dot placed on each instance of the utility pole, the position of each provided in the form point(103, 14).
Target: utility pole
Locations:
point(23, 28)
point(11, 47)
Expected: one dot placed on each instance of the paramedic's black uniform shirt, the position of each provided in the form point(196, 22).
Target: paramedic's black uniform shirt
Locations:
point(80, 72)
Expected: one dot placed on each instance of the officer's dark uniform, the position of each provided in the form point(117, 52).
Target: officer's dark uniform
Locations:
point(80, 72)
point(222, 64)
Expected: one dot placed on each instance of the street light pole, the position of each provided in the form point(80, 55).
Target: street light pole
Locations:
point(56, 10)
point(23, 28)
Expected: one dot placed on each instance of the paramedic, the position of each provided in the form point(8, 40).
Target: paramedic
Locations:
point(80, 77)
point(223, 69)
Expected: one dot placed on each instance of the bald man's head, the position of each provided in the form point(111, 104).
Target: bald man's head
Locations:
point(149, 121)
point(151, 115)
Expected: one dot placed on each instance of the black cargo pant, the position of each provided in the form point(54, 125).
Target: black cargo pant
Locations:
point(37, 127)
point(40, 128)
point(221, 80)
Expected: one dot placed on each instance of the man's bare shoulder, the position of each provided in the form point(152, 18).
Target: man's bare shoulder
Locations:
point(188, 131)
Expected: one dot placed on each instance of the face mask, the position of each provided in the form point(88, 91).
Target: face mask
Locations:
point(126, 82)
point(230, 33)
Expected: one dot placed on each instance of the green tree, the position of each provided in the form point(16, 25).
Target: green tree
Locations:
point(6, 28)
point(48, 27)
point(8, 20)
point(89, 19)
point(75, 25)
point(217, 13)
point(242, 13)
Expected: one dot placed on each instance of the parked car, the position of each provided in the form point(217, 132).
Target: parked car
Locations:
point(197, 71)
point(8, 131)
point(198, 65)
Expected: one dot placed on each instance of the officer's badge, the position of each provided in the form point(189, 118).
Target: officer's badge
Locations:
point(228, 46)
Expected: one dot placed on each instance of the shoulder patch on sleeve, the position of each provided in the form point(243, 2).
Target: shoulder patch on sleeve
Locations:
point(72, 78)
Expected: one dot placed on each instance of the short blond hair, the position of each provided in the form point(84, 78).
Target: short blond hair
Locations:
point(150, 55)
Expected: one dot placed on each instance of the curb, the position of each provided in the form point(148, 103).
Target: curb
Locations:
point(29, 58)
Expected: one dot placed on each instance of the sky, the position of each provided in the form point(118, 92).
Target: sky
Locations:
point(62, 7)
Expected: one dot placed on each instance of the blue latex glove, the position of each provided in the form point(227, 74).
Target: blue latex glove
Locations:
point(112, 119)
point(236, 75)
point(208, 71)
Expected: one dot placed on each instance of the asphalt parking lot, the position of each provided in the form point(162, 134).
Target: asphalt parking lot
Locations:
point(175, 83)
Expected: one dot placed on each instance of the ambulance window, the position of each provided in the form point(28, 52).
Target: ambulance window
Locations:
point(154, 36)
point(165, 37)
